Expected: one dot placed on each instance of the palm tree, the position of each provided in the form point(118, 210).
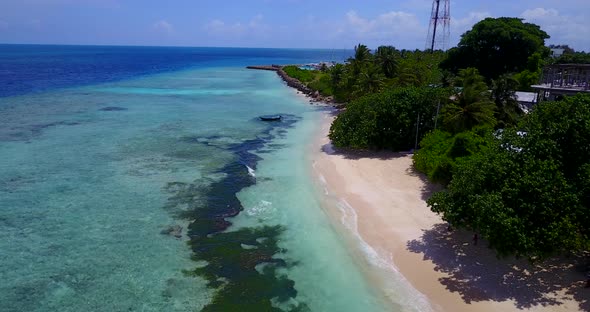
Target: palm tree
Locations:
point(337, 74)
point(369, 80)
point(504, 95)
point(362, 53)
point(472, 105)
point(386, 59)
point(407, 77)
point(362, 56)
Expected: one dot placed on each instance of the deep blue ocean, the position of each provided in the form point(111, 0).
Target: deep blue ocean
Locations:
point(141, 179)
point(33, 68)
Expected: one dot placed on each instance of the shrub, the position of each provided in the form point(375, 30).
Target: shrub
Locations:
point(387, 120)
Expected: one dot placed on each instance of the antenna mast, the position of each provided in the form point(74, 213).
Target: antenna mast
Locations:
point(438, 39)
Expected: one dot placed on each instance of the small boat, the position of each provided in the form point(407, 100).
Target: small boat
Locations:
point(271, 117)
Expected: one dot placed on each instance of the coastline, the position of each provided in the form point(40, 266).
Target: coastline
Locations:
point(313, 95)
point(379, 198)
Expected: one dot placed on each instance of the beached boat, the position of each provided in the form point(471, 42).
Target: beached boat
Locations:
point(271, 117)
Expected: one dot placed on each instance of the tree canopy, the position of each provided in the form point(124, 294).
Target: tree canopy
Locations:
point(497, 46)
point(366, 73)
point(471, 105)
point(526, 190)
point(387, 120)
point(574, 58)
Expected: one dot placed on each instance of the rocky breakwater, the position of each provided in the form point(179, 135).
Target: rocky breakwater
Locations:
point(295, 83)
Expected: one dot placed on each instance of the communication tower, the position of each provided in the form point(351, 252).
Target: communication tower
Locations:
point(439, 30)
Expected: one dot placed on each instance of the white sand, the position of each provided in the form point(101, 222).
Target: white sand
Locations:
point(388, 199)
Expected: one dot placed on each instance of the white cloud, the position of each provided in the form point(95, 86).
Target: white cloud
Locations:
point(460, 25)
point(164, 27)
point(255, 26)
point(540, 13)
point(215, 25)
point(465, 23)
point(395, 28)
point(565, 28)
point(34, 24)
point(387, 24)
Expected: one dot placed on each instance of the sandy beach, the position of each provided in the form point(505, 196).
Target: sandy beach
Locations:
point(388, 201)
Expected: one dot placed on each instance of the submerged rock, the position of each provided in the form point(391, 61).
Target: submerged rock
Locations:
point(172, 230)
point(112, 109)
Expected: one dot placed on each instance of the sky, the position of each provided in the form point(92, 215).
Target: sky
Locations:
point(332, 24)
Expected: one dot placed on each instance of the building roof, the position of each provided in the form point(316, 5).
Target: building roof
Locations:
point(559, 88)
point(585, 66)
point(528, 97)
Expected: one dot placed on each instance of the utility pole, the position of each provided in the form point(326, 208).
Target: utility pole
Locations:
point(437, 111)
point(417, 130)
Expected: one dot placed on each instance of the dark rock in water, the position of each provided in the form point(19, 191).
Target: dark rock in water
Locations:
point(38, 129)
point(172, 230)
point(113, 109)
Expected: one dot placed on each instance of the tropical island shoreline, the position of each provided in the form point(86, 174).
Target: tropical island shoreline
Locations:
point(388, 200)
point(445, 270)
point(313, 95)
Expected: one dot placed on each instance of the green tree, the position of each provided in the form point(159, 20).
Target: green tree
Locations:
point(369, 80)
point(432, 158)
point(574, 58)
point(386, 59)
point(440, 151)
point(526, 79)
point(497, 46)
point(504, 95)
point(302, 75)
point(337, 74)
point(532, 72)
point(528, 193)
point(362, 56)
point(366, 73)
point(407, 76)
point(387, 120)
point(471, 105)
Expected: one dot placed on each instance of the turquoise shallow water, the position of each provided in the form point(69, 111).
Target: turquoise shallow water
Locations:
point(90, 176)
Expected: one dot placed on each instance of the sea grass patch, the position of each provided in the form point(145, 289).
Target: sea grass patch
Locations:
point(240, 265)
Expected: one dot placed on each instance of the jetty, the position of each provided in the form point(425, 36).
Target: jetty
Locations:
point(265, 67)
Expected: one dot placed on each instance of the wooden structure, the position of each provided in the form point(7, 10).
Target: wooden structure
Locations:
point(563, 79)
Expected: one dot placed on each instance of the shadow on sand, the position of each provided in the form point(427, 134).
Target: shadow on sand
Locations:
point(477, 275)
point(428, 188)
point(360, 154)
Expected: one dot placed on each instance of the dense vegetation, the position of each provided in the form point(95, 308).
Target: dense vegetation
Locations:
point(302, 75)
point(574, 58)
point(497, 46)
point(315, 79)
point(440, 151)
point(388, 120)
point(525, 189)
point(520, 181)
point(367, 72)
point(392, 95)
point(570, 56)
